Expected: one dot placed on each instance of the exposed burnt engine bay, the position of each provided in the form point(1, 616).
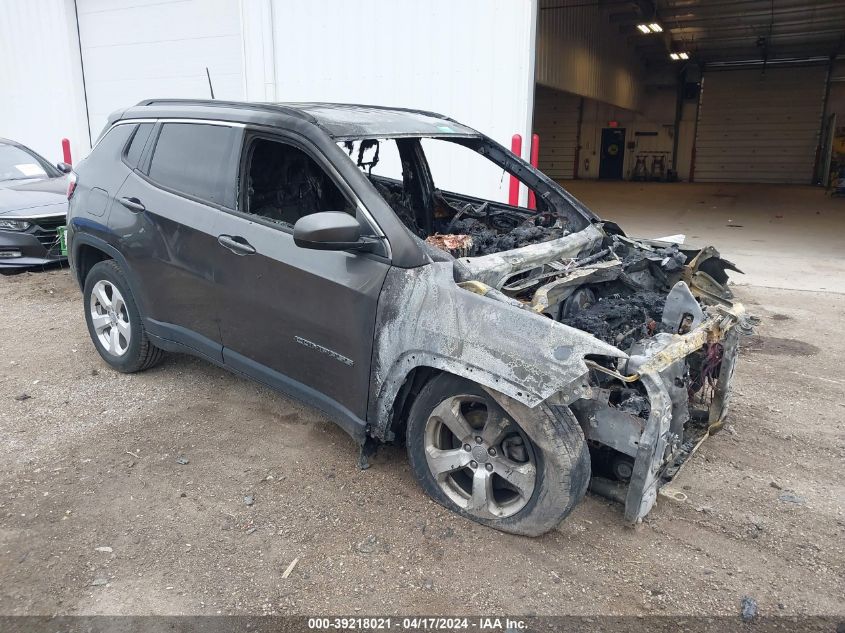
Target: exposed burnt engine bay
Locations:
point(484, 230)
point(623, 291)
point(630, 279)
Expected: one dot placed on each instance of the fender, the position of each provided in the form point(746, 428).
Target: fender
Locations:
point(426, 320)
point(77, 239)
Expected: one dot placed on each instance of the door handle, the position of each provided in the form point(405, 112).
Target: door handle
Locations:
point(133, 204)
point(236, 244)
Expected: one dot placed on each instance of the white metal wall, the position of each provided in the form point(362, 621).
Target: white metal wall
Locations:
point(556, 122)
point(41, 98)
point(471, 60)
point(580, 51)
point(138, 49)
point(757, 126)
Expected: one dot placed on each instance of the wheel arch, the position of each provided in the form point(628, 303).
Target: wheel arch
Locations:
point(558, 452)
point(88, 250)
point(86, 256)
point(415, 379)
point(412, 371)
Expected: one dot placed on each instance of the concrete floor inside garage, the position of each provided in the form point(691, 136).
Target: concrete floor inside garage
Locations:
point(780, 236)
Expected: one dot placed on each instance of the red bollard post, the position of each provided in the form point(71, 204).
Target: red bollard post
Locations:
point(66, 151)
point(513, 192)
point(535, 160)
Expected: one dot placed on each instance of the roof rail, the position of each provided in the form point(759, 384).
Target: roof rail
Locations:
point(435, 115)
point(245, 105)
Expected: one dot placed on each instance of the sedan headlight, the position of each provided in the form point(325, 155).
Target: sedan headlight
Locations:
point(14, 225)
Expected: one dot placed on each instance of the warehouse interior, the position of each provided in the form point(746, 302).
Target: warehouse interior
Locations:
point(746, 100)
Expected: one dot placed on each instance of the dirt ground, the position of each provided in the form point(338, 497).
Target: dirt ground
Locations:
point(88, 461)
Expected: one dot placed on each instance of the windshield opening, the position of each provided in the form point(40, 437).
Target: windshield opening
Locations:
point(450, 193)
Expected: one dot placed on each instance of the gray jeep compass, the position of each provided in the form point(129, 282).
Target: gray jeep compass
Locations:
point(331, 252)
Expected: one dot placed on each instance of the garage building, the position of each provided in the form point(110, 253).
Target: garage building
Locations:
point(642, 90)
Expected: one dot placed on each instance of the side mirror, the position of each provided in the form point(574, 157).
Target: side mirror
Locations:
point(65, 168)
point(329, 231)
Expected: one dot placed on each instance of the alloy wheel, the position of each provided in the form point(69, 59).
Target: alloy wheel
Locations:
point(480, 457)
point(110, 318)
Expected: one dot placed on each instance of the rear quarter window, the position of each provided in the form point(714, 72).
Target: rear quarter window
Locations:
point(197, 159)
point(110, 146)
point(136, 145)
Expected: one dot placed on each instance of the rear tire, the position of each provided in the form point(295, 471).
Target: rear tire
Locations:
point(523, 477)
point(114, 322)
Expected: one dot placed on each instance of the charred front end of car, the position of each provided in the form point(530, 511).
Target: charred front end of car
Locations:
point(668, 310)
point(554, 306)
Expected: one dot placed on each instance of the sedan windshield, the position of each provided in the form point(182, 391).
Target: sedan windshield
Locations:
point(17, 163)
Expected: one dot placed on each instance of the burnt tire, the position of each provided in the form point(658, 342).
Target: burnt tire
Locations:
point(451, 469)
point(114, 322)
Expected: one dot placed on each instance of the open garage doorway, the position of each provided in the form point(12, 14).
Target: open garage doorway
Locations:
point(585, 138)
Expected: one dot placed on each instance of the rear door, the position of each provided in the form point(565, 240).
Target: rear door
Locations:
point(101, 174)
point(169, 211)
point(298, 319)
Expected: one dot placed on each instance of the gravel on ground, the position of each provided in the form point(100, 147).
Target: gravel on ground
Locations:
point(187, 490)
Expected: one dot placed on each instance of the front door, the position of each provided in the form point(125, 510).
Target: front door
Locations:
point(297, 319)
point(612, 153)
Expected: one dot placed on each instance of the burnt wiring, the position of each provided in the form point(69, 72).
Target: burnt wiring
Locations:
point(610, 372)
point(362, 148)
point(708, 373)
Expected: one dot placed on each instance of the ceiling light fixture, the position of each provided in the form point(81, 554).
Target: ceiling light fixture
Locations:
point(675, 56)
point(683, 55)
point(651, 27)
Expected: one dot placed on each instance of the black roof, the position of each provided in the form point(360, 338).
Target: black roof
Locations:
point(339, 120)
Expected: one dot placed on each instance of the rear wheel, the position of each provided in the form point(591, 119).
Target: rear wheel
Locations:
point(473, 457)
point(114, 322)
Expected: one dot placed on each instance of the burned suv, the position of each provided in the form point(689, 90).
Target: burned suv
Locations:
point(331, 252)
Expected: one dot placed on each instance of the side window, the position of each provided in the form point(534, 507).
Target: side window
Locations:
point(284, 184)
point(110, 146)
point(197, 159)
point(136, 145)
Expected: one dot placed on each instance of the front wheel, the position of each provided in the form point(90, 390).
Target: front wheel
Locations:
point(471, 456)
point(114, 322)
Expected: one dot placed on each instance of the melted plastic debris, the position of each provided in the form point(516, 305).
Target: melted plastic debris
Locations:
point(456, 245)
point(621, 320)
point(487, 240)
